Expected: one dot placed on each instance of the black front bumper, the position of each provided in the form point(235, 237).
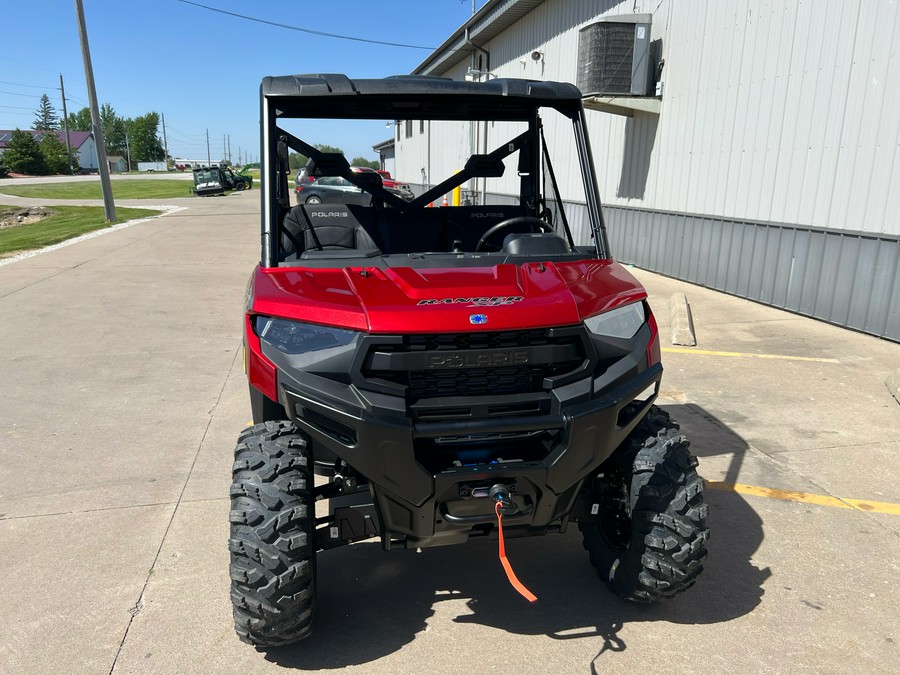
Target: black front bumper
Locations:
point(376, 435)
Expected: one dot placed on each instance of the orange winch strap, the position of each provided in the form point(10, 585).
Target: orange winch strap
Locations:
point(513, 580)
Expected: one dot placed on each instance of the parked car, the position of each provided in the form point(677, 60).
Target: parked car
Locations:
point(331, 190)
point(388, 181)
point(337, 190)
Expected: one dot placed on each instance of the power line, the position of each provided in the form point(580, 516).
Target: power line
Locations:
point(26, 63)
point(12, 93)
point(184, 133)
point(305, 30)
point(16, 107)
point(32, 86)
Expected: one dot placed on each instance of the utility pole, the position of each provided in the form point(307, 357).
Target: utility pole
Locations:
point(109, 207)
point(229, 148)
point(208, 159)
point(224, 149)
point(128, 153)
point(165, 142)
point(62, 88)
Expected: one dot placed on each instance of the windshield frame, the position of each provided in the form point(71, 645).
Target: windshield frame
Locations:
point(402, 105)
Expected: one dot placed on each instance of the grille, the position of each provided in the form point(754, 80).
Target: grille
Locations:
point(463, 341)
point(474, 381)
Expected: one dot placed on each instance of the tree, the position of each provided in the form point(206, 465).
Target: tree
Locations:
point(143, 139)
point(113, 130)
point(80, 121)
point(54, 152)
point(23, 154)
point(362, 161)
point(297, 161)
point(45, 118)
point(322, 147)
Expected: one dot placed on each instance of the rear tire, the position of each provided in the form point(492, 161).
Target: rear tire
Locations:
point(313, 200)
point(272, 539)
point(648, 536)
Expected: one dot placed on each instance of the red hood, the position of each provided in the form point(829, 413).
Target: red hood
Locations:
point(407, 300)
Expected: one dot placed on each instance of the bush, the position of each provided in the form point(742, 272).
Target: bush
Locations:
point(23, 154)
point(54, 152)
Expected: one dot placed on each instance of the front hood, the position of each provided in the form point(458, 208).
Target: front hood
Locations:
point(407, 300)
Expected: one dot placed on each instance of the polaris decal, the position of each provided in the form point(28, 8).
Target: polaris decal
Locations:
point(477, 360)
point(496, 301)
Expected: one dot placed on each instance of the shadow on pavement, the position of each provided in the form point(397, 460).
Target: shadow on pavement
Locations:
point(372, 603)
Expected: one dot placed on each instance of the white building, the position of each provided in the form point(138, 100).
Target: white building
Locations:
point(768, 167)
point(81, 142)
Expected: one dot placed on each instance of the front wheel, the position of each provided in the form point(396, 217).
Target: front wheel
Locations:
point(647, 533)
point(240, 185)
point(313, 200)
point(272, 538)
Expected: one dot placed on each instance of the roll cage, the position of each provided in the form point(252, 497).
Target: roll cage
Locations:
point(421, 98)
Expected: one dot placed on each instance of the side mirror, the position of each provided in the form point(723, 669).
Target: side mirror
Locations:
point(484, 166)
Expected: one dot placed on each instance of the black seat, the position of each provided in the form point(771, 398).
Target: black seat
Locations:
point(535, 243)
point(328, 226)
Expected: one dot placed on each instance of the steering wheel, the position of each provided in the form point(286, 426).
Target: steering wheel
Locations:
point(534, 225)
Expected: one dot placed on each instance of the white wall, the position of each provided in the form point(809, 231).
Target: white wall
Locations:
point(773, 111)
point(87, 155)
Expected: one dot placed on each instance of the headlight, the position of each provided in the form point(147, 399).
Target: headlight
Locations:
point(622, 322)
point(292, 337)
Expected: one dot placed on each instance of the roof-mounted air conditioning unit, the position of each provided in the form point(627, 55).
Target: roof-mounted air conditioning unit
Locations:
point(614, 57)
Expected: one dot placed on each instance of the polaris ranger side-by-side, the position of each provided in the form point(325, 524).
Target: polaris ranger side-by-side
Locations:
point(448, 372)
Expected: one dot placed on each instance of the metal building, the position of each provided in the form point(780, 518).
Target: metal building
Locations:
point(763, 160)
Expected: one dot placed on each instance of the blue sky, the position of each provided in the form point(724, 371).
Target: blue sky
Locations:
point(202, 69)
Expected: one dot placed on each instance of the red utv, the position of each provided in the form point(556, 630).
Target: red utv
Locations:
point(446, 371)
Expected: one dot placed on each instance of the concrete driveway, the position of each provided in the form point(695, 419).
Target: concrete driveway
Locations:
point(122, 394)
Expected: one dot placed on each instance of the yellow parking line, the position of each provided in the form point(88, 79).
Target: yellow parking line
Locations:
point(781, 357)
point(807, 498)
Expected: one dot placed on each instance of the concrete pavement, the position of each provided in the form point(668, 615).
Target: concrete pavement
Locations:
point(122, 393)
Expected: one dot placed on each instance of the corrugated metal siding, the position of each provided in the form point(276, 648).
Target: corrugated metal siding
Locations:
point(777, 111)
point(846, 278)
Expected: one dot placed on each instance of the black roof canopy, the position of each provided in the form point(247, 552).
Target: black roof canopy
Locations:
point(415, 97)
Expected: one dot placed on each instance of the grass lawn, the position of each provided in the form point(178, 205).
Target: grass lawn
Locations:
point(122, 189)
point(64, 223)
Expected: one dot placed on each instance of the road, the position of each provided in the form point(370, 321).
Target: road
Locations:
point(122, 394)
